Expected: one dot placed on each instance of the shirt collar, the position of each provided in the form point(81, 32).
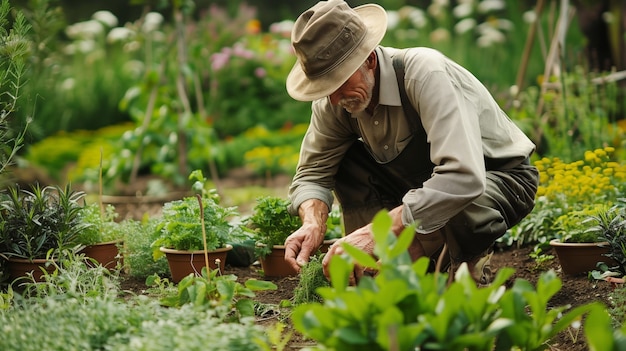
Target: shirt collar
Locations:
point(388, 93)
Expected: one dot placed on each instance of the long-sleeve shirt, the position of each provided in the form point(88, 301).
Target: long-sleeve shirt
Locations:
point(463, 123)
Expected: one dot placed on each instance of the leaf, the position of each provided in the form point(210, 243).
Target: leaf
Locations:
point(381, 224)
point(362, 258)
point(260, 285)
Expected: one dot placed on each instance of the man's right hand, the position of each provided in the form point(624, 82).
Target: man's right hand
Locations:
point(303, 242)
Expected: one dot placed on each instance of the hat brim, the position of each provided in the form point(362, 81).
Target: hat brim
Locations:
point(301, 88)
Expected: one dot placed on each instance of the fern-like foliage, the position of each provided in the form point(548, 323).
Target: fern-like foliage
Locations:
point(14, 52)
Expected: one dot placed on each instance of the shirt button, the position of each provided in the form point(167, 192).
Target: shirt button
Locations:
point(386, 147)
point(375, 123)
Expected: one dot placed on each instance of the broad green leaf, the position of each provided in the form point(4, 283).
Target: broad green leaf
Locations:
point(362, 258)
point(404, 241)
point(245, 307)
point(260, 285)
point(388, 325)
point(598, 329)
point(340, 271)
point(381, 224)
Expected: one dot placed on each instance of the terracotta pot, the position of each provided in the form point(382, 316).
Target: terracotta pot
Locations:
point(579, 258)
point(107, 254)
point(19, 267)
point(182, 263)
point(274, 265)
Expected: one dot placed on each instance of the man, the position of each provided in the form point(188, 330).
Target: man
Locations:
point(421, 137)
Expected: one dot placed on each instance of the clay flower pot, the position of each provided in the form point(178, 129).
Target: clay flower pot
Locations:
point(20, 267)
point(274, 264)
point(107, 254)
point(182, 262)
point(580, 258)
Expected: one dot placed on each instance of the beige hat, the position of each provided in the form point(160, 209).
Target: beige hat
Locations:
point(331, 41)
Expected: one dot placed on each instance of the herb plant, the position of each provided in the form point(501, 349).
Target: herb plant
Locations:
point(180, 226)
point(103, 226)
point(271, 223)
point(36, 221)
point(610, 226)
point(211, 289)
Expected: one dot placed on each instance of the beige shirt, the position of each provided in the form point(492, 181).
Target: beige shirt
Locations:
point(463, 122)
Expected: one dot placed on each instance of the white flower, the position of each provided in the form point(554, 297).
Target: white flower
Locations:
point(105, 17)
point(608, 17)
point(119, 34)
point(68, 84)
point(465, 25)
point(462, 10)
point(486, 6)
point(152, 21)
point(529, 16)
point(86, 46)
point(393, 18)
point(86, 30)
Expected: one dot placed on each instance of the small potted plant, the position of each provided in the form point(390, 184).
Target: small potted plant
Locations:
point(272, 224)
point(580, 244)
point(37, 225)
point(194, 230)
point(104, 238)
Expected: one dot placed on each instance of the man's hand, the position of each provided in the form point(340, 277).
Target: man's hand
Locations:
point(303, 242)
point(362, 239)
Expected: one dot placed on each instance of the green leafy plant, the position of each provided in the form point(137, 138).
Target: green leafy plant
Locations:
point(39, 220)
point(180, 225)
point(73, 277)
point(569, 190)
point(271, 223)
point(103, 227)
point(610, 226)
point(16, 50)
point(211, 289)
point(404, 307)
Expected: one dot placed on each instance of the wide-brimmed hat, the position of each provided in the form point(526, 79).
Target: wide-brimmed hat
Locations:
point(331, 41)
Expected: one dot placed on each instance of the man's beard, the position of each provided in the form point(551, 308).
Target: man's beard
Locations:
point(354, 105)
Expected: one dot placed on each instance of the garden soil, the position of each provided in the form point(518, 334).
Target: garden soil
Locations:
point(575, 291)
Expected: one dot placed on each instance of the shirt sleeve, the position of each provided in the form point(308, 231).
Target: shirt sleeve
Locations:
point(451, 120)
point(326, 140)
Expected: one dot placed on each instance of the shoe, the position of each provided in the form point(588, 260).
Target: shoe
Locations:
point(479, 268)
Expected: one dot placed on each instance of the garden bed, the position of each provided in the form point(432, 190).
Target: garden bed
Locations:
point(576, 290)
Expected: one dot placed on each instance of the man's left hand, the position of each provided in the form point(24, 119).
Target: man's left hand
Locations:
point(362, 239)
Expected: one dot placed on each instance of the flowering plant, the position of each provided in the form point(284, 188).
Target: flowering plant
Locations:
point(571, 189)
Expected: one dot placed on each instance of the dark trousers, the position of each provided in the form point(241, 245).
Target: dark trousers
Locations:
point(364, 187)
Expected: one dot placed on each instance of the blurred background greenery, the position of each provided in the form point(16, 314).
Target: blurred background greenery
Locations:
point(134, 87)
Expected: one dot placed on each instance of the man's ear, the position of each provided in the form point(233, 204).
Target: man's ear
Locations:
point(372, 60)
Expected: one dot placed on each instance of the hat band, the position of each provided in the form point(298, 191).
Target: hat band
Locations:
point(335, 53)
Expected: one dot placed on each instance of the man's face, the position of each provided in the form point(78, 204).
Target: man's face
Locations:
point(356, 93)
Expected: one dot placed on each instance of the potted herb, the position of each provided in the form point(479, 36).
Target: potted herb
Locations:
point(580, 244)
point(610, 227)
point(192, 225)
point(104, 237)
point(272, 224)
point(36, 225)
